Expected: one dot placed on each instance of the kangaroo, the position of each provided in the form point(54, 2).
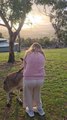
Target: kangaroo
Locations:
point(11, 82)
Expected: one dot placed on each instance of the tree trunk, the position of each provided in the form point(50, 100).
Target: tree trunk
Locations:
point(19, 39)
point(11, 58)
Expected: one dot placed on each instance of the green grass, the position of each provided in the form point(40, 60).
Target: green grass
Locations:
point(54, 90)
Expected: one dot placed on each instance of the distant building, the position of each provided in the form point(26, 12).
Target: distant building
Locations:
point(4, 45)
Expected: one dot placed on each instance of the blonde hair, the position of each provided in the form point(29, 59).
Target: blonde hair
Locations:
point(35, 47)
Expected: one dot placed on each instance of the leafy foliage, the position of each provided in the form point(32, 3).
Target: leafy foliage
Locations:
point(58, 17)
point(15, 10)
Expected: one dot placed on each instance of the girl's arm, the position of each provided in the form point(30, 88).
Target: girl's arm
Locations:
point(24, 62)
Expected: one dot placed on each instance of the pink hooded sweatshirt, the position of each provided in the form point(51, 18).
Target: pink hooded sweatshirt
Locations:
point(34, 68)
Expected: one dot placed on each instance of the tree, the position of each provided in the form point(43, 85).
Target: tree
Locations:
point(13, 14)
point(58, 17)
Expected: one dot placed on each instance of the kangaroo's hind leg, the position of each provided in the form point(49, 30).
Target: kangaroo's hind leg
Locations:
point(19, 99)
point(9, 99)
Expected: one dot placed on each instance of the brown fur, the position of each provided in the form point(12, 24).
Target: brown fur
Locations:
point(13, 81)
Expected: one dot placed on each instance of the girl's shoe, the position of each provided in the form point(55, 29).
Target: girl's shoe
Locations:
point(40, 111)
point(30, 112)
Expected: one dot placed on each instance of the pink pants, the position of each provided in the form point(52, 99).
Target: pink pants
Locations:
point(32, 93)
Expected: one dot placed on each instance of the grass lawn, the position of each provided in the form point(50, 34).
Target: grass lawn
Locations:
point(54, 90)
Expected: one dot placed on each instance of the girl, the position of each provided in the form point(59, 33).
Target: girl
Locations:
point(33, 79)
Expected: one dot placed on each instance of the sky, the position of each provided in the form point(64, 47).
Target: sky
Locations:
point(37, 24)
point(36, 17)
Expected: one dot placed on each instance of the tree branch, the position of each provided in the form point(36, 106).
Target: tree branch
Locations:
point(20, 25)
point(2, 25)
point(5, 21)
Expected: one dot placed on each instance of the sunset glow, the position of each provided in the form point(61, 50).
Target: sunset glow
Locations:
point(32, 21)
point(35, 18)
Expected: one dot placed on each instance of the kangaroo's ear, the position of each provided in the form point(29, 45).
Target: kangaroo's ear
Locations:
point(21, 59)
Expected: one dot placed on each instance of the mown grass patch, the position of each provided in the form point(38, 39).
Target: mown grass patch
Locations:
point(54, 90)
